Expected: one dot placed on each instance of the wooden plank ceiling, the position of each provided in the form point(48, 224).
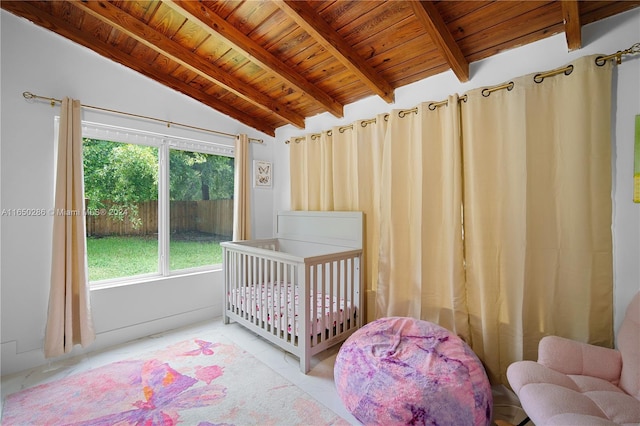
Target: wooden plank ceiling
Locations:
point(272, 63)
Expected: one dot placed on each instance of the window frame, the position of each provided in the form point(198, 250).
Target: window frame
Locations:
point(164, 143)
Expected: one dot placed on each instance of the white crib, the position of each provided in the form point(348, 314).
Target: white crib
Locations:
point(302, 289)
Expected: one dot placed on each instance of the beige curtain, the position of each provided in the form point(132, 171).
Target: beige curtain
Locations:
point(311, 168)
point(356, 182)
point(491, 217)
point(69, 319)
point(421, 256)
point(537, 214)
point(298, 174)
point(242, 190)
point(340, 170)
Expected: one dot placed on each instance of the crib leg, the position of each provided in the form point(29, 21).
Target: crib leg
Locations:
point(225, 318)
point(305, 363)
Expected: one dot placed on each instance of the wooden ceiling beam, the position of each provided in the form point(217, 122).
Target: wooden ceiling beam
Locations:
point(572, 26)
point(431, 20)
point(321, 31)
point(65, 29)
point(129, 25)
point(215, 25)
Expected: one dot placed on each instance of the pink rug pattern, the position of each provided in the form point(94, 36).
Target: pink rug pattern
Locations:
point(194, 382)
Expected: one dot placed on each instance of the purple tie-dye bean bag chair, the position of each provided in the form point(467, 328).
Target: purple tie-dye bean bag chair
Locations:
point(398, 370)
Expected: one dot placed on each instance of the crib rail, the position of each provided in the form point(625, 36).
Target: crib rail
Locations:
point(337, 279)
point(263, 285)
point(251, 277)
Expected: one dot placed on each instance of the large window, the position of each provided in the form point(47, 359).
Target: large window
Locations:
point(155, 205)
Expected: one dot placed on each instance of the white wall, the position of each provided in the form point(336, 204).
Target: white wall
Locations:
point(39, 61)
point(604, 37)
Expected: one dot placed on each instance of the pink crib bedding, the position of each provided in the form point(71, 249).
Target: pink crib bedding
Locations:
point(263, 303)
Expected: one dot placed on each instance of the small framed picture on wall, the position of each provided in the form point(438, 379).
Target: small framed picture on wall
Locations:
point(262, 174)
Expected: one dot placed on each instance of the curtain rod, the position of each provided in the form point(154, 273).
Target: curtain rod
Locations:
point(538, 78)
point(29, 95)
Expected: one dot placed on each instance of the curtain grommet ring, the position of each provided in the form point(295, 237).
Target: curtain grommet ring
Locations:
point(403, 113)
point(365, 123)
point(435, 105)
point(600, 61)
point(539, 78)
point(488, 91)
point(568, 70)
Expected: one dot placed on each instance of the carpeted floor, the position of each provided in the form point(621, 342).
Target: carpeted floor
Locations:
point(194, 382)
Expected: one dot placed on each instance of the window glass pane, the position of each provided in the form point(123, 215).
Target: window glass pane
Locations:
point(201, 208)
point(121, 196)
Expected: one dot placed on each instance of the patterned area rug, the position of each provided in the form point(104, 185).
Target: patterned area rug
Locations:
point(194, 382)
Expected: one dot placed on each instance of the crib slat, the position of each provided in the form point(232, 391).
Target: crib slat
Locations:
point(258, 291)
point(273, 304)
point(319, 284)
point(339, 300)
point(254, 289)
point(285, 286)
point(239, 277)
point(290, 318)
point(346, 311)
point(248, 288)
point(354, 317)
point(352, 296)
point(313, 290)
point(344, 314)
point(304, 342)
point(331, 281)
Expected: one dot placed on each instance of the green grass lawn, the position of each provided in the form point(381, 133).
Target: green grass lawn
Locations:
point(116, 257)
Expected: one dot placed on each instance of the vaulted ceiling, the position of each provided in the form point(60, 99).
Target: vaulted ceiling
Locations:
point(275, 62)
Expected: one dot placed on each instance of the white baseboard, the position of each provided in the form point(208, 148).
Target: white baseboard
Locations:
point(14, 362)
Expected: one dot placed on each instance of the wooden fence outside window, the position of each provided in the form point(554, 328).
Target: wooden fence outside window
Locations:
point(209, 216)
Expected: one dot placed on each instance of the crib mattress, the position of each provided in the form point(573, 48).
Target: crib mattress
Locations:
point(262, 302)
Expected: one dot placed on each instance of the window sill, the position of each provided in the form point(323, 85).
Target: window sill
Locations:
point(141, 279)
